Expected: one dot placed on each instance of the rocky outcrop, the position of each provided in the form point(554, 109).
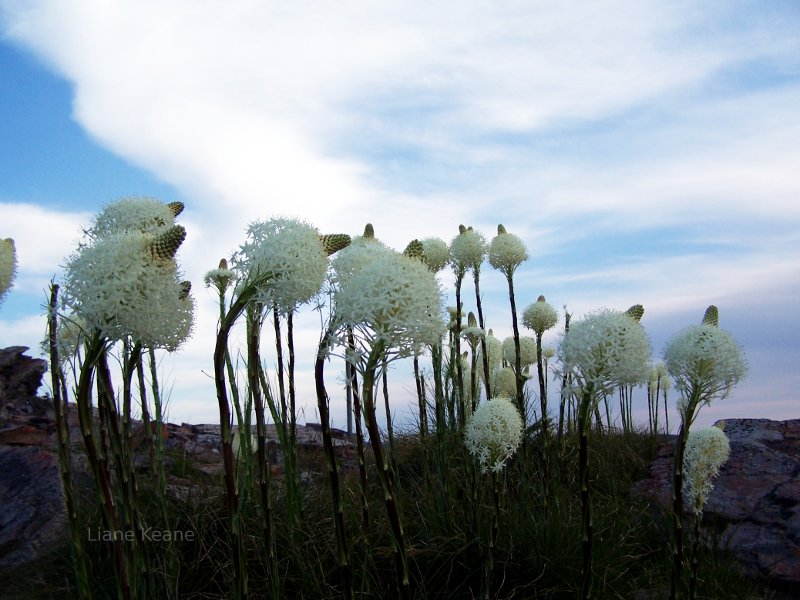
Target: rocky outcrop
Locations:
point(20, 378)
point(32, 520)
point(756, 498)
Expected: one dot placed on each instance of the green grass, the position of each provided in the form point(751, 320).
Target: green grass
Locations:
point(539, 544)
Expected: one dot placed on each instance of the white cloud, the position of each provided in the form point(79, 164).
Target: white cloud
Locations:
point(620, 117)
point(43, 238)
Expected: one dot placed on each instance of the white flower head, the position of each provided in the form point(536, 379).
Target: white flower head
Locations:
point(705, 360)
point(606, 349)
point(8, 266)
point(504, 382)
point(527, 350)
point(494, 353)
point(285, 259)
point(145, 215)
point(467, 250)
point(706, 451)
point(220, 278)
point(361, 251)
point(125, 286)
point(393, 299)
point(436, 252)
point(507, 252)
point(540, 316)
point(494, 433)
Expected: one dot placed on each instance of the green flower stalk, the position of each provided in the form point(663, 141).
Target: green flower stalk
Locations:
point(506, 253)
point(706, 363)
point(469, 249)
point(706, 451)
point(475, 336)
point(393, 305)
point(540, 317)
point(460, 265)
point(604, 350)
point(282, 262)
point(8, 266)
point(492, 435)
point(492, 354)
point(80, 563)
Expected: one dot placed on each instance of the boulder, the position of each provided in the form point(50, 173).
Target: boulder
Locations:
point(20, 378)
point(755, 500)
point(33, 519)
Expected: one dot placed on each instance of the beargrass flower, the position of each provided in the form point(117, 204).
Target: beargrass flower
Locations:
point(527, 350)
point(236, 443)
point(394, 300)
point(504, 382)
point(285, 259)
point(506, 252)
point(706, 451)
point(659, 378)
point(540, 316)
point(467, 250)
point(127, 285)
point(436, 253)
point(704, 360)
point(606, 349)
point(493, 433)
point(494, 352)
point(145, 215)
point(220, 278)
point(8, 266)
point(361, 251)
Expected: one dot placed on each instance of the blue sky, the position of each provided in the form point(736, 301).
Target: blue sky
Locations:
point(644, 151)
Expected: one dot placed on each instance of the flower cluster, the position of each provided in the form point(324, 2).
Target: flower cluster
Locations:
point(506, 252)
point(467, 250)
point(8, 265)
point(705, 361)
point(540, 316)
point(145, 215)
point(494, 433)
point(395, 300)
point(361, 252)
point(606, 349)
point(126, 285)
point(658, 378)
point(504, 382)
point(220, 278)
point(436, 252)
point(494, 353)
point(284, 259)
point(527, 351)
point(706, 451)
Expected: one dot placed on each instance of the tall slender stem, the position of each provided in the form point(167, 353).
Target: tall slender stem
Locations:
point(64, 451)
point(323, 404)
point(476, 276)
point(263, 470)
point(584, 415)
point(231, 491)
point(386, 475)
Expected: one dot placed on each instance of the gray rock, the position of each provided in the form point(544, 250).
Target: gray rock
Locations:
point(20, 378)
point(756, 498)
point(33, 519)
